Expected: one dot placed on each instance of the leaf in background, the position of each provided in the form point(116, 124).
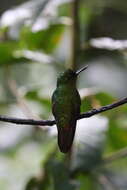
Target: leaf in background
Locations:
point(104, 98)
point(7, 56)
point(95, 99)
point(87, 182)
point(45, 40)
point(86, 104)
point(117, 133)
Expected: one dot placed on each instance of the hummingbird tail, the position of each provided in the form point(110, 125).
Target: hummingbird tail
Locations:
point(65, 137)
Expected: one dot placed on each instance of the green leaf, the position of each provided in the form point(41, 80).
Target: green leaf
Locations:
point(7, 51)
point(117, 134)
point(104, 98)
point(96, 100)
point(45, 40)
point(87, 182)
point(86, 104)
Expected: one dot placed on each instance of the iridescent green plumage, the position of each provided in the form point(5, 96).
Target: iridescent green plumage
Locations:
point(66, 108)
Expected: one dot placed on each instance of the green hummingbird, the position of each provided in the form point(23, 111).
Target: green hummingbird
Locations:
point(66, 104)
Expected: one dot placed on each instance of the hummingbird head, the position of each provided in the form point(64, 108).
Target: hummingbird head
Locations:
point(66, 77)
point(69, 76)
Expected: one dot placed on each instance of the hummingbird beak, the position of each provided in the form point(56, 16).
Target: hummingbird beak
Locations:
point(79, 71)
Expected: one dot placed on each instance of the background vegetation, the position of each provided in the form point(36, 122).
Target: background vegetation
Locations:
point(36, 43)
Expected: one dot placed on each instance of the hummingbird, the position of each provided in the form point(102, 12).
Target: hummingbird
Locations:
point(66, 104)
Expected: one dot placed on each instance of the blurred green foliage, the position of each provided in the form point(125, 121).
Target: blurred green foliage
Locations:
point(34, 48)
point(36, 40)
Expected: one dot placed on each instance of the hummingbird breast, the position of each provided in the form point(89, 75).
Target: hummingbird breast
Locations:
point(66, 108)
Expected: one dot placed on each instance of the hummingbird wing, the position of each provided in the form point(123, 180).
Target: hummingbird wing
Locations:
point(66, 117)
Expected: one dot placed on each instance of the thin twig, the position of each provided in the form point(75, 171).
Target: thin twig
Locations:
point(115, 156)
point(52, 122)
point(103, 108)
point(104, 181)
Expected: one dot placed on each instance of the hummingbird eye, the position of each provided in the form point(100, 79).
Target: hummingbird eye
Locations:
point(69, 77)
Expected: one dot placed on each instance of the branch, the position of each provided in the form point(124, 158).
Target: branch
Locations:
point(75, 34)
point(27, 121)
point(115, 156)
point(103, 108)
point(52, 122)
